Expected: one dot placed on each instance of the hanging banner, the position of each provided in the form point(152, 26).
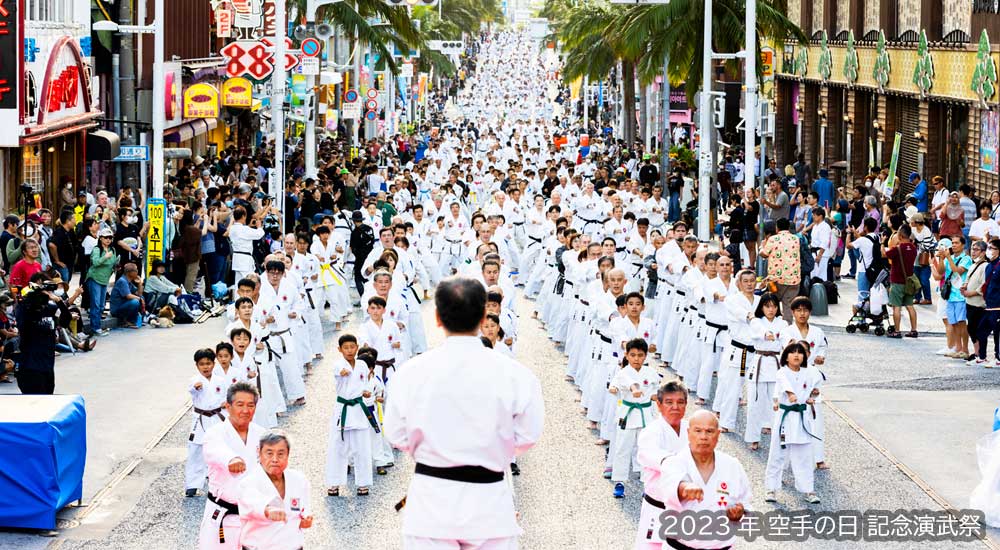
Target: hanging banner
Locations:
point(890, 185)
point(201, 101)
point(989, 141)
point(237, 92)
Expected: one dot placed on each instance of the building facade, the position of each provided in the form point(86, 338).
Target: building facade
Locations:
point(925, 70)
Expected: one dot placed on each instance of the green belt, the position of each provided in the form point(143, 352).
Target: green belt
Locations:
point(343, 413)
point(633, 406)
point(798, 408)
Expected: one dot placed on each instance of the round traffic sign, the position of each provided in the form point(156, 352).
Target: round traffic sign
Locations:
point(371, 115)
point(372, 93)
point(311, 47)
point(371, 104)
point(351, 96)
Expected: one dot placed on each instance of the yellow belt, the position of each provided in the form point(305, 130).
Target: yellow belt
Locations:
point(325, 268)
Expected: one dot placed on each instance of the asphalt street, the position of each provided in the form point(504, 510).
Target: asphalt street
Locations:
point(562, 498)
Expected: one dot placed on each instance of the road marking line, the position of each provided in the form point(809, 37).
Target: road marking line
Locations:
point(906, 470)
point(134, 463)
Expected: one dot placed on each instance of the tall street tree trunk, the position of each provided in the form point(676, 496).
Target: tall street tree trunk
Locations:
point(628, 103)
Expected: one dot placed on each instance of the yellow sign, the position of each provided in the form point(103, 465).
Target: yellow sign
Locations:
point(201, 101)
point(767, 63)
point(156, 214)
point(237, 92)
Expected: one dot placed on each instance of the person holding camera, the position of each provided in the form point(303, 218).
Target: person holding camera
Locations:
point(36, 322)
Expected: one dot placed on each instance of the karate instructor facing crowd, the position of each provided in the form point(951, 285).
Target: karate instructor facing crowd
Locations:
point(463, 411)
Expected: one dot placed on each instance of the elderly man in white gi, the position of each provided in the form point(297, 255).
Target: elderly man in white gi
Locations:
point(274, 500)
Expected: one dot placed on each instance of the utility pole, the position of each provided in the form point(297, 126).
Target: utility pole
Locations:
point(159, 95)
point(666, 139)
point(127, 85)
point(750, 102)
point(277, 188)
point(705, 130)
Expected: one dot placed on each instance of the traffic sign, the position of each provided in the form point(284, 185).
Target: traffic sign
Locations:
point(311, 47)
point(372, 93)
point(132, 153)
point(406, 70)
point(351, 96)
point(371, 104)
point(371, 115)
point(156, 215)
point(310, 66)
point(351, 110)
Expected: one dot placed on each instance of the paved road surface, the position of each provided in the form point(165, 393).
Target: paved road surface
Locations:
point(563, 500)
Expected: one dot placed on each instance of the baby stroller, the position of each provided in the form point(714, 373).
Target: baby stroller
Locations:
point(868, 316)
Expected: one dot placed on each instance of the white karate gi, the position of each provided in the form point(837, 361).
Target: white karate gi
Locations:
point(257, 493)
point(762, 375)
point(207, 411)
point(657, 442)
point(223, 445)
point(349, 430)
point(635, 412)
point(792, 434)
point(717, 332)
point(727, 486)
point(281, 345)
point(241, 238)
point(736, 358)
point(499, 402)
point(816, 339)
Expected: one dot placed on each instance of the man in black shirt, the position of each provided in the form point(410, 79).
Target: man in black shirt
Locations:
point(63, 244)
point(649, 174)
point(9, 232)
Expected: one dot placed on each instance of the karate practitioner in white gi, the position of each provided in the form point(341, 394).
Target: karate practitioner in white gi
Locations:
point(274, 500)
point(459, 497)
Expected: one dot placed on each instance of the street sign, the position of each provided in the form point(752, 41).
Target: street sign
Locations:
point(406, 70)
point(371, 104)
point(351, 110)
point(447, 47)
point(156, 214)
point(132, 153)
point(372, 93)
point(310, 66)
point(311, 47)
point(371, 115)
point(767, 63)
point(351, 96)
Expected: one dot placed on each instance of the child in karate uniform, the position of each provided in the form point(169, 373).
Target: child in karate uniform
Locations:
point(795, 392)
point(208, 393)
point(635, 385)
point(765, 330)
point(382, 455)
point(351, 422)
point(491, 330)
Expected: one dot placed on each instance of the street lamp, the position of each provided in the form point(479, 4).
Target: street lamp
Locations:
point(159, 85)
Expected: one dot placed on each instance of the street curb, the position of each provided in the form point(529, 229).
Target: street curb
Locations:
point(825, 322)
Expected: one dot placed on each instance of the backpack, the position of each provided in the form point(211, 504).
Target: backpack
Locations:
point(362, 240)
point(878, 261)
point(806, 260)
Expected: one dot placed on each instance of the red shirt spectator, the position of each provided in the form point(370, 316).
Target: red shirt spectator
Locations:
point(903, 254)
point(22, 271)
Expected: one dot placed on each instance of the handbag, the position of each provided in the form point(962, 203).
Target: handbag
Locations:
point(945, 290)
point(912, 283)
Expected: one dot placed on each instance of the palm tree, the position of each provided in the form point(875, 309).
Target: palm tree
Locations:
point(593, 47)
point(398, 27)
point(596, 37)
point(676, 29)
point(457, 16)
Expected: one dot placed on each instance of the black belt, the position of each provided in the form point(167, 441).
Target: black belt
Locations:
point(701, 315)
point(653, 501)
point(678, 545)
point(584, 302)
point(465, 474)
point(620, 249)
point(743, 346)
point(715, 325)
point(230, 509)
point(209, 413)
point(516, 223)
point(604, 338)
point(539, 241)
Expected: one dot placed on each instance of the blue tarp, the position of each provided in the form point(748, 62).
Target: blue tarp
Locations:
point(43, 449)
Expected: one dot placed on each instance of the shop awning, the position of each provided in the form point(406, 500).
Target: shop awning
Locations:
point(102, 145)
point(188, 130)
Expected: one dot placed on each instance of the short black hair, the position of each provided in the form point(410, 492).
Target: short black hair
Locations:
point(782, 224)
point(246, 283)
point(345, 338)
point(275, 265)
point(768, 298)
point(226, 346)
point(204, 353)
point(637, 343)
point(494, 297)
point(377, 300)
point(460, 303)
point(238, 331)
point(638, 295)
point(802, 301)
point(795, 347)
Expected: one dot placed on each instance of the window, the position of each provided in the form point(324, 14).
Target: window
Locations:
point(50, 10)
point(31, 164)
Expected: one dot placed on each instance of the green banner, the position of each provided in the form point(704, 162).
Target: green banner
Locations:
point(890, 184)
